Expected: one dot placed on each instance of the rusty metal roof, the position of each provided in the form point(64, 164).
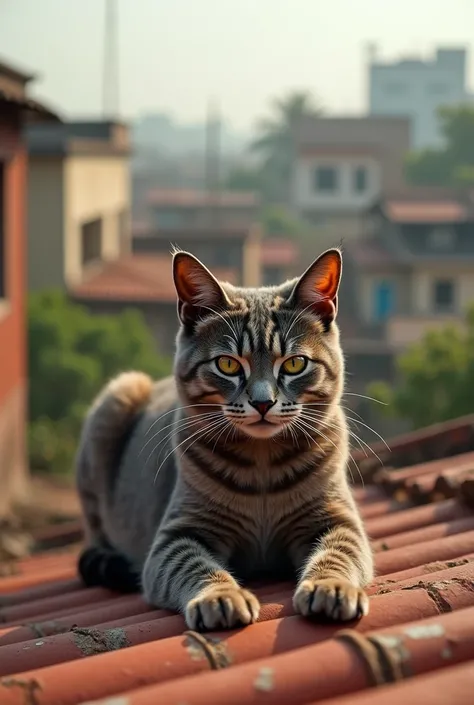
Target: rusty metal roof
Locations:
point(62, 644)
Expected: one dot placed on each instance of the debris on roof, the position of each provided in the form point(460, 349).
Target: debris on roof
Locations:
point(62, 644)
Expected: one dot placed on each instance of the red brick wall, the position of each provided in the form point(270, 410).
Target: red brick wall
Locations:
point(12, 309)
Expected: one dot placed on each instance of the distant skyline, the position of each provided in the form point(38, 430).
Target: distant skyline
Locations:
point(176, 54)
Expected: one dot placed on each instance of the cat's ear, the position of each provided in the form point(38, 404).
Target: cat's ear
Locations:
point(198, 290)
point(317, 288)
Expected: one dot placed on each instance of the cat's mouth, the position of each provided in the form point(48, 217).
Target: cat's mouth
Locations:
point(262, 428)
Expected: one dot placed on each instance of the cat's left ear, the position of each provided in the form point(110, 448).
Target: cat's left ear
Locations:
point(198, 290)
point(317, 288)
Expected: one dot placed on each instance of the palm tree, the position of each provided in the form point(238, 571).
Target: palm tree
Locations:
point(274, 141)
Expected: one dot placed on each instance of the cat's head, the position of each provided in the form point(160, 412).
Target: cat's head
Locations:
point(267, 358)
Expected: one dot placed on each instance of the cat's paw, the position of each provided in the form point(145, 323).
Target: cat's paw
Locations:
point(221, 607)
point(334, 599)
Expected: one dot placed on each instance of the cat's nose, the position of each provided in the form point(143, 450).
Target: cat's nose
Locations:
point(262, 406)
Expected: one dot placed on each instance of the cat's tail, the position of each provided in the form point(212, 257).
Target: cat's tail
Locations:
point(107, 427)
point(113, 413)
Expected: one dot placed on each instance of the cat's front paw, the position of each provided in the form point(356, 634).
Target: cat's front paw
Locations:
point(221, 607)
point(332, 598)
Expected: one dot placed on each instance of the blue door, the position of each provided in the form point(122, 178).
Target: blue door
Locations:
point(384, 300)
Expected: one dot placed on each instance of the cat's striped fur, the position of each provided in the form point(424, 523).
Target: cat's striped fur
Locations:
point(202, 482)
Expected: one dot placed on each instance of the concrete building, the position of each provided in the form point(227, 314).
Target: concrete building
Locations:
point(16, 109)
point(78, 200)
point(341, 166)
point(171, 209)
point(417, 88)
point(143, 279)
point(413, 272)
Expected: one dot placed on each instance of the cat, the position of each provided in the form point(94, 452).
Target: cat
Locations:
point(235, 468)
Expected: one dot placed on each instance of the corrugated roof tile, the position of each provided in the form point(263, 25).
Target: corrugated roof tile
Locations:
point(62, 644)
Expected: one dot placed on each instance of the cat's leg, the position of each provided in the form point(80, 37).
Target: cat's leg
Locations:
point(181, 573)
point(335, 564)
point(99, 563)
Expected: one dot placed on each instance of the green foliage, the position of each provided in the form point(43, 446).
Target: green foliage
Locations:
point(278, 222)
point(71, 354)
point(453, 165)
point(273, 143)
point(436, 377)
point(244, 179)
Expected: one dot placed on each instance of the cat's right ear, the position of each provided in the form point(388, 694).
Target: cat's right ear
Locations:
point(198, 290)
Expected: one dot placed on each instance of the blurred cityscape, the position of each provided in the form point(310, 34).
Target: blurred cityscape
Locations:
point(90, 209)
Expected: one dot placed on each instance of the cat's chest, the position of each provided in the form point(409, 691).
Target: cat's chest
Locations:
point(262, 554)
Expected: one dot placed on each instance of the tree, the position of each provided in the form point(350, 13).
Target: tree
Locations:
point(454, 164)
point(436, 377)
point(71, 355)
point(273, 143)
point(278, 222)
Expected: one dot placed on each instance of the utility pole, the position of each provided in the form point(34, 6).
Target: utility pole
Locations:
point(110, 76)
point(212, 161)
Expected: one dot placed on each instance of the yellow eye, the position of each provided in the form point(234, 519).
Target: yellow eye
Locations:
point(294, 365)
point(228, 365)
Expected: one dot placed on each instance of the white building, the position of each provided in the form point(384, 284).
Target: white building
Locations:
point(343, 165)
point(417, 88)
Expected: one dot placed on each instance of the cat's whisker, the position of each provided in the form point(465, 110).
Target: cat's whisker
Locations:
point(297, 315)
point(226, 321)
point(186, 418)
point(364, 396)
point(175, 448)
point(183, 425)
point(338, 428)
point(319, 416)
point(174, 410)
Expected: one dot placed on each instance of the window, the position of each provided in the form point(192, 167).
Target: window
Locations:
point(441, 238)
point(3, 263)
point(91, 235)
point(325, 178)
point(360, 179)
point(443, 295)
point(383, 300)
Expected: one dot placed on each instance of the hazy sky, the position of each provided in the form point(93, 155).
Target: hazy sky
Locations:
point(175, 54)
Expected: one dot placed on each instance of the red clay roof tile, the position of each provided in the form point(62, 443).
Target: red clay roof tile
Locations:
point(136, 278)
point(62, 644)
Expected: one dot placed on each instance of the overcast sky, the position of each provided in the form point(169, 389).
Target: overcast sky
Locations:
point(175, 54)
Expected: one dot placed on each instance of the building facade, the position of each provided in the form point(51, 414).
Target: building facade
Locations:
point(15, 110)
point(341, 166)
point(417, 88)
point(78, 200)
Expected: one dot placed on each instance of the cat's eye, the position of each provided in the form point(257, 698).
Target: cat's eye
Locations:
point(228, 365)
point(294, 365)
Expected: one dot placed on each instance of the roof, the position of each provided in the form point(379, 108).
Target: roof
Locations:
point(143, 231)
point(63, 644)
point(447, 211)
point(16, 74)
point(277, 252)
point(33, 109)
point(135, 278)
point(188, 198)
point(100, 137)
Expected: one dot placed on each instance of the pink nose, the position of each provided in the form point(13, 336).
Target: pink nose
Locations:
point(263, 406)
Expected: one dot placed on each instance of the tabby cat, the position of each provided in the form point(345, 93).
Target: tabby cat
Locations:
point(234, 469)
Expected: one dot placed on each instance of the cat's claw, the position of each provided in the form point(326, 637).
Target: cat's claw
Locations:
point(334, 599)
point(221, 607)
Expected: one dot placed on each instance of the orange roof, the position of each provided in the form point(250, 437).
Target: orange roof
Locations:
point(446, 211)
point(136, 277)
point(188, 198)
point(278, 252)
point(64, 644)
